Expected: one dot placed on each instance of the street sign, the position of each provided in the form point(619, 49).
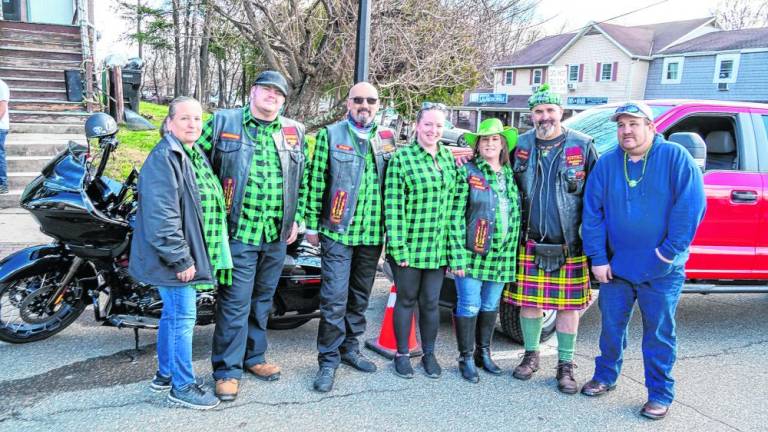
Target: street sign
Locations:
point(492, 98)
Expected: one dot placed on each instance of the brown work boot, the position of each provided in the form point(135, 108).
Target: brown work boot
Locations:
point(528, 366)
point(265, 371)
point(226, 389)
point(565, 381)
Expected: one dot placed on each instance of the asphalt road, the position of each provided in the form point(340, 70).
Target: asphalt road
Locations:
point(84, 379)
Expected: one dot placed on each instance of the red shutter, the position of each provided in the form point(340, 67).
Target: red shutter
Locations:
point(581, 72)
point(597, 72)
point(514, 76)
point(615, 69)
point(530, 77)
point(544, 75)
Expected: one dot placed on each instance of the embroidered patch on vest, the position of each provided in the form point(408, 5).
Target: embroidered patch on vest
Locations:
point(231, 136)
point(481, 234)
point(338, 205)
point(522, 154)
point(228, 186)
point(344, 147)
point(574, 157)
point(478, 183)
point(386, 135)
point(387, 148)
point(291, 136)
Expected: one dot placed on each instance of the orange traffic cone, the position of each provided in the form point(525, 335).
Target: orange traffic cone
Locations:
point(386, 345)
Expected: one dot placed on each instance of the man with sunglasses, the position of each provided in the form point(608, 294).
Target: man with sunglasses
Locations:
point(643, 204)
point(344, 215)
point(258, 155)
point(551, 165)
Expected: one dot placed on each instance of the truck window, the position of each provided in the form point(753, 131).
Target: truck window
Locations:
point(719, 134)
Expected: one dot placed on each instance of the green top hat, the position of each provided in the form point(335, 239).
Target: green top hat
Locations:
point(493, 126)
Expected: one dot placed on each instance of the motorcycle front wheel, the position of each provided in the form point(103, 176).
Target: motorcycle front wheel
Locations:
point(25, 313)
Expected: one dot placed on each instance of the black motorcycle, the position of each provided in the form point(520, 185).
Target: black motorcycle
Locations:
point(44, 288)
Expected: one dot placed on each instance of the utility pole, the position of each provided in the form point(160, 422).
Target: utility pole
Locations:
point(363, 40)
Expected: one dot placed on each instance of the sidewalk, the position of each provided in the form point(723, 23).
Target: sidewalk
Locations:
point(18, 229)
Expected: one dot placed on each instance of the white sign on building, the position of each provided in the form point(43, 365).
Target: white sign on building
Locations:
point(557, 77)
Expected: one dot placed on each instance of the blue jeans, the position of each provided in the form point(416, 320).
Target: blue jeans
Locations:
point(174, 337)
point(474, 296)
point(3, 165)
point(657, 300)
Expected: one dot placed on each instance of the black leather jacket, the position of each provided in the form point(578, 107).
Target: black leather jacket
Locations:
point(577, 157)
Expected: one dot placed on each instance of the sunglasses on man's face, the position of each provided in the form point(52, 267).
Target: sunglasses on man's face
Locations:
point(433, 105)
point(359, 100)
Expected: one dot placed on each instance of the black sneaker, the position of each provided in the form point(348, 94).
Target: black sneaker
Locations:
point(357, 360)
point(195, 397)
point(160, 383)
point(431, 367)
point(403, 367)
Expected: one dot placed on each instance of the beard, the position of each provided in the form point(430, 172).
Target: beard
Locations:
point(362, 117)
point(545, 128)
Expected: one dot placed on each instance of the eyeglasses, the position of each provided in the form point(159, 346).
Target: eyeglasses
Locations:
point(433, 105)
point(359, 100)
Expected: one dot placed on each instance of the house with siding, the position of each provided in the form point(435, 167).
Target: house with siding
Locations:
point(602, 63)
point(724, 65)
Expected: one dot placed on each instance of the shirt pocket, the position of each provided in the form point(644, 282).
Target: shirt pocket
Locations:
point(228, 146)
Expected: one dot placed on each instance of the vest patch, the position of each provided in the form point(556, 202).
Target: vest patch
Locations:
point(227, 135)
point(388, 148)
point(522, 154)
point(344, 147)
point(386, 135)
point(228, 186)
point(291, 136)
point(478, 183)
point(574, 157)
point(481, 232)
point(338, 205)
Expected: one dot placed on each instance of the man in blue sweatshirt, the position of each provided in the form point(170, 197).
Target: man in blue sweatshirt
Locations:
point(643, 203)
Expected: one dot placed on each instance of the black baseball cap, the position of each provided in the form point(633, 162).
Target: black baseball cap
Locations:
point(270, 78)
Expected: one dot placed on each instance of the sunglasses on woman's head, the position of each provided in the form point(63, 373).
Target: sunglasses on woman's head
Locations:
point(359, 100)
point(433, 105)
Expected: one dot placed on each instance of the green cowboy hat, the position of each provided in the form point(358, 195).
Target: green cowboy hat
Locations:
point(493, 126)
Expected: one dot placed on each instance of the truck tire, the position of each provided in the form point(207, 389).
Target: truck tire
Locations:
point(509, 315)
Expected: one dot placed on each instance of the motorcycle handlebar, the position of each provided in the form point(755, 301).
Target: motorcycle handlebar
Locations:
point(108, 144)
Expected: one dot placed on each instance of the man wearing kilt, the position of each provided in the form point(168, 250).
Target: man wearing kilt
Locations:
point(551, 166)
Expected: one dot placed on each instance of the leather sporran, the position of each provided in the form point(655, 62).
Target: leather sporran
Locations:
point(549, 257)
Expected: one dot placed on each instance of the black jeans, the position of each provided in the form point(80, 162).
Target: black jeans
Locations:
point(414, 286)
point(348, 275)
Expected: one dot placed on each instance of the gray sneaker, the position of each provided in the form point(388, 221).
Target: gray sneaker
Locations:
point(195, 397)
point(160, 383)
point(3, 189)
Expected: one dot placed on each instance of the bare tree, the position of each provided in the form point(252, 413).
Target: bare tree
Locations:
point(740, 14)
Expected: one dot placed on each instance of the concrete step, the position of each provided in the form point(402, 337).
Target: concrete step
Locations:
point(15, 83)
point(41, 127)
point(47, 105)
point(20, 180)
point(11, 199)
point(29, 116)
point(29, 137)
point(27, 72)
point(27, 163)
point(45, 149)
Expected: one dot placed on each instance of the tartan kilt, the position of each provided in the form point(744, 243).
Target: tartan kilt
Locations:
point(567, 288)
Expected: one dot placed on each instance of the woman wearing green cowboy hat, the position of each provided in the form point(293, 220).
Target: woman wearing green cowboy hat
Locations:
point(484, 233)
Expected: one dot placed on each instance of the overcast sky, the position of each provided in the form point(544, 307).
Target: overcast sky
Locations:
point(568, 15)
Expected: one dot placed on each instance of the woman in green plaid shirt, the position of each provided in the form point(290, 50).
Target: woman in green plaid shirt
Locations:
point(418, 200)
point(484, 231)
point(180, 245)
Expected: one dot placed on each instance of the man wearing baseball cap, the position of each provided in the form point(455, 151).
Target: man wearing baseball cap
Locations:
point(642, 206)
point(551, 165)
point(259, 158)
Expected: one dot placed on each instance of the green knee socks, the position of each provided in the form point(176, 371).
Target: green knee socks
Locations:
point(531, 332)
point(566, 346)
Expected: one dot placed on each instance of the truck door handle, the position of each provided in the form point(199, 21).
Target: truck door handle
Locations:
point(744, 196)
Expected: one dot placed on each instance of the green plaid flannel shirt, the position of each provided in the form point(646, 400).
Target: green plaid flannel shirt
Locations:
point(418, 206)
point(367, 226)
point(262, 211)
point(214, 218)
point(499, 265)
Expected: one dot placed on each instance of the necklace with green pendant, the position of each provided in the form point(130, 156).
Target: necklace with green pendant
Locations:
point(632, 182)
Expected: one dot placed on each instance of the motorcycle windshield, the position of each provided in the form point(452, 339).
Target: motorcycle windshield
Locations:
point(66, 171)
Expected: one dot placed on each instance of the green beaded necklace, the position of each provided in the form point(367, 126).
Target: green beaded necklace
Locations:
point(631, 182)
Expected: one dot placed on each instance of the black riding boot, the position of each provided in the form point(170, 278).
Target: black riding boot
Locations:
point(465, 334)
point(486, 322)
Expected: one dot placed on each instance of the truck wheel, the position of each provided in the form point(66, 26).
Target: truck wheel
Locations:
point(509, 315)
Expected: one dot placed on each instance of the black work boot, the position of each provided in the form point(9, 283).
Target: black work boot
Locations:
point(465, 339)
point(486, 323)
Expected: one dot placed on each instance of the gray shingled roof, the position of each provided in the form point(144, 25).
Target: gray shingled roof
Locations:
point(723, 41)
point(539, 52)
point(638, 41)
point(666, 33)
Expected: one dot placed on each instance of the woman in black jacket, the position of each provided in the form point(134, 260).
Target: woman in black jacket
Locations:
point(179, 244)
